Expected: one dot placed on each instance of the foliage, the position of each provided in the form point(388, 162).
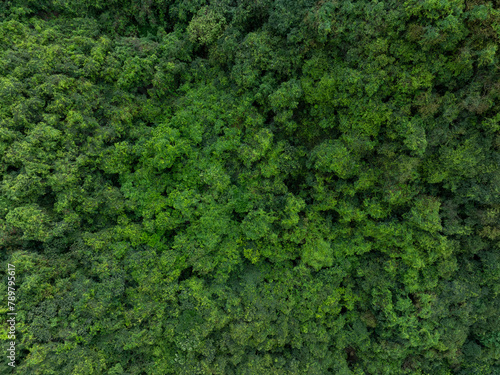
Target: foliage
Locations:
point(251, 187)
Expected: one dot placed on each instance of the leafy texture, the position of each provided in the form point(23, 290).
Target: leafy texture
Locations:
point(251, 187)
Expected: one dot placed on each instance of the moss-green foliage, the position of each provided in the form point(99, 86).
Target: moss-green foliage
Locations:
point(251, 187)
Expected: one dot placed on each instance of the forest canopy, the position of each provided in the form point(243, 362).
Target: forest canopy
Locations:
point(268, 187)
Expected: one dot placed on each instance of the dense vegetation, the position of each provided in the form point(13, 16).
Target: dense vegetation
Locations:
point(251, 187)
